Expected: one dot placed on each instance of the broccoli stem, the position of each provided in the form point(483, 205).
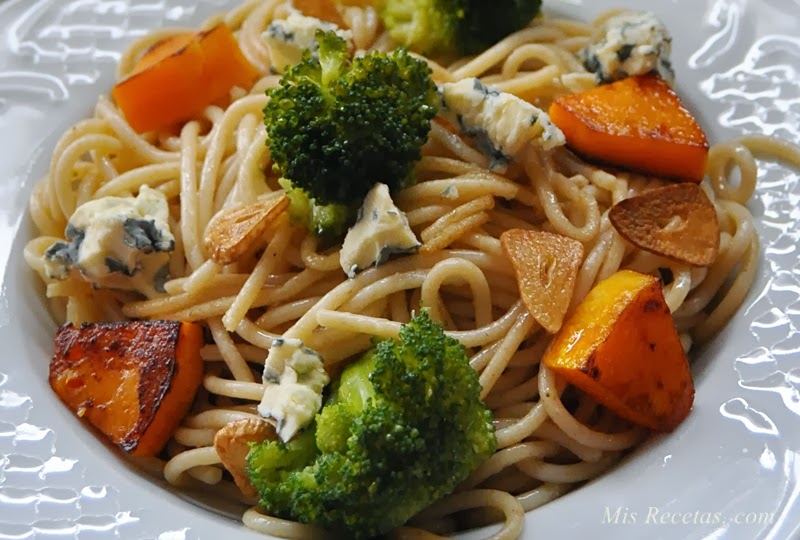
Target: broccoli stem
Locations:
point(354, 386)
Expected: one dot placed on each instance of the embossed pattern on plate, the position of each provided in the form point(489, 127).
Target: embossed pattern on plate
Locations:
point(737, 65)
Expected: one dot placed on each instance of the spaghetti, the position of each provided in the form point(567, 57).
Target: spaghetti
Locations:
point(220, 160)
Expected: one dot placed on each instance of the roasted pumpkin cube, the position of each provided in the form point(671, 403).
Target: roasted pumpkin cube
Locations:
point(325, 10)
point(638, 123)
point(180, 76)
point(621, 347)
point(133, 381)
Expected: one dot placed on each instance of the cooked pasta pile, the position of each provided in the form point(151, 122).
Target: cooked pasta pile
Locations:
point(550, 437)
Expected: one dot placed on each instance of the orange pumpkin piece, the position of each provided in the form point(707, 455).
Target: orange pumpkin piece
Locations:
point(180, 76)
point(361, 3)
point(325, 10)
point(133, 381)
point(160, 50)
point(621, 347)
point(638, 123)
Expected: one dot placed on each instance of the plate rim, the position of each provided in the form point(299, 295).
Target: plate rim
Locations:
point(14, 380)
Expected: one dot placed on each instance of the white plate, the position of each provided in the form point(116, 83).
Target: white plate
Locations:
point(737, 454)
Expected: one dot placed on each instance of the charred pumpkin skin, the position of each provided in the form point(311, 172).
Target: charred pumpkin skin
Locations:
point(133, 381)
point(621, 347)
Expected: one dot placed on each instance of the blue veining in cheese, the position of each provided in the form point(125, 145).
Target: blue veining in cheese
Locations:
point(289, 38)
point(501, 124)
point(117, 243)
point(630, 44)
point(380, 231)
point(294, 377)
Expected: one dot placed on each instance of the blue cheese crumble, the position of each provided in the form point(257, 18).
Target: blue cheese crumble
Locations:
point(450, 192)
point(380, 231)
point(117, 243)
point(294, 377)
point(289, 38)
point(630, 44)
point(501, 124)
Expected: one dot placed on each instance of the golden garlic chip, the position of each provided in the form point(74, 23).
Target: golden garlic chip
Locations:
point(676, 221)
point(546, 266)
point(231, 233)
point(232, 444)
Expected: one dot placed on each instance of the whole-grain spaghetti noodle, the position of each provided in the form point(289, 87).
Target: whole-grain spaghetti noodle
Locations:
point(287, 287)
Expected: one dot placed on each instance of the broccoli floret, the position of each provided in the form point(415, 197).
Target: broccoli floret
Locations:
point(284, 460)
point(326, 221)
point(455, 26)
point(402, 427)
point(336, 126)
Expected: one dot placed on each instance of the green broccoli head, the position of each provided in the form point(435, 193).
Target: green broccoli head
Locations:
point(402, 427)
point(336, 125)
point(455, 26)
point(277, 462)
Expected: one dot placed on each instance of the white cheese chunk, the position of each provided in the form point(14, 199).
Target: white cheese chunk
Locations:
point(294, 377)
point(501, 124)
point(380, 231)
point(117, 243)
point(289, 38)
point(450, 192)
point(630, 44)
